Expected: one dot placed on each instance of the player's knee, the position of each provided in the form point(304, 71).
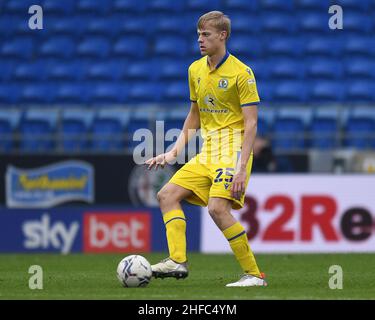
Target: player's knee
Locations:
point(215, 210)
point(165, 195)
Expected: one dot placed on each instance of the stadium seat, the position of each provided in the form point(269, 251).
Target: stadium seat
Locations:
point(167, 6)
point(108, 130)
point(359, 46)
point(163, 46)
point(324, 68)
point(277, 23)
point(143, 92)
point(266, 90)
point(262, 127)
point(313, 23)
point(245, 46)
point(323, 47)
point(312, 5)
point(59, 7)
point(323, 133)
point(203, 5)
point(361, 91)
point(286, 69)
point(275, 5)
point(290, 91)
point(98, 7)
point(74, 93)
point(22, 48)
point(164, 25)
point(7, 67)
point(141, 119)
point(94, 47)
point(243, 23)
point(9, 120)
point(37, 93)
point(288, 134)
point(130, 6)
point(107, 70)
point(58, 47)
point(17, 6)
point(103, 27)
point(141, 70)
point(327, 91)
point(173, 69)
point(284, 47)
point(354, 5)
point(31, 71)
point(13, 25)
point(135, 47)
point(66, 26)
point(10, 93)
point(360, 68)
point(176, 92)
point(360, 133)
point(75, 129)
point(66, 70)
point(130, 27)
point(241, 5)
point(104, 93)
point(37, 130)
point(358, 23)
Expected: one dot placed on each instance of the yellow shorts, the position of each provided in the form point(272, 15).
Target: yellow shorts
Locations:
point(209, 180)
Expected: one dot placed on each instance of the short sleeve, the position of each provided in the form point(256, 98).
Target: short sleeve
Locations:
point(193, 95)
point(247, 88)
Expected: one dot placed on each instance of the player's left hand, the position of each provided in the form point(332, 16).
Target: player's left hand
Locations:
point(238, 184)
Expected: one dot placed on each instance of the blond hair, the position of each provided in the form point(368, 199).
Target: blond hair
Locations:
point(217, 19)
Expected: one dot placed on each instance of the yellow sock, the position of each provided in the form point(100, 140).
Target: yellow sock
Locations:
point(175, 225)
point(237, 238)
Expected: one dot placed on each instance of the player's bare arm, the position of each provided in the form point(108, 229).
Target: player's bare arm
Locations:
point(250, 123)
point(191, 124)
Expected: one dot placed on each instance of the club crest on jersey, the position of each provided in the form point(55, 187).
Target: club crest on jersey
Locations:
point(223, 83)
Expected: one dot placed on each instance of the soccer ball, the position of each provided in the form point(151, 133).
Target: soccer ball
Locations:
point(134, 271)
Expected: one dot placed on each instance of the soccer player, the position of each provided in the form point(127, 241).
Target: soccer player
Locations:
point(224, 102)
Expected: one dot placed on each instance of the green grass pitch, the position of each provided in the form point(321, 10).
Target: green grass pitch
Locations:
point(290, 276)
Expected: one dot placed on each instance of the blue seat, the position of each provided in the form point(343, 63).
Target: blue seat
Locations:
point(12, 25)
point(7, 67)
point(241, 5)
point(203, 5)
point(286, 69)
point(167, 6)
point(241, 45)
point(173, 69)
point(104, 27)
point(89, 6)
point(361, 91)
point(58, 7)
point(362, 68)
point(38, 131)
point(22, 48)
point(107, 70)
point(66, 70)
point(163, 45)
point(108, 130)
point(242, 23)
point(107, 92)
point(359, 46)
point(358, 22)
point(75, 129)
point(67, 26)
point(360, 133)
point(165, 23)
point(37, 93)
point(284, 47)
point(31, 71)
point(176, 92)
point(313, 23)
point(290, 91)
point(18, 6)
point(130, 6)
point(10, 93)
point(323, 133)
point(94, 47)
point(141, 70)
point(266, 90)
point(9, 120)
point(140, 120)
point(131, 47)
point(130, 27)
point(312, 5)
point(327, 91)
point(288, 134)
point(71, 93)
point(323, 46)
point(354, 5)
point(280, 23)
point(141, 92)
point(58, 47)
point(324, 69)
point(263, 128)
point(276, 5)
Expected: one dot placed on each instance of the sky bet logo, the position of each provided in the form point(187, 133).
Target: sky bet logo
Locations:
point(42, 234)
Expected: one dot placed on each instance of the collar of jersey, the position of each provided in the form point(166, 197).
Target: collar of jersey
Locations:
point(222, 60)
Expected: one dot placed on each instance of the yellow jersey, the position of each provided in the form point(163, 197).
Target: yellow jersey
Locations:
point(220, 94)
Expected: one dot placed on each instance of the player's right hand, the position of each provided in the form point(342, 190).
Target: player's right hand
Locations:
point(160, 160)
